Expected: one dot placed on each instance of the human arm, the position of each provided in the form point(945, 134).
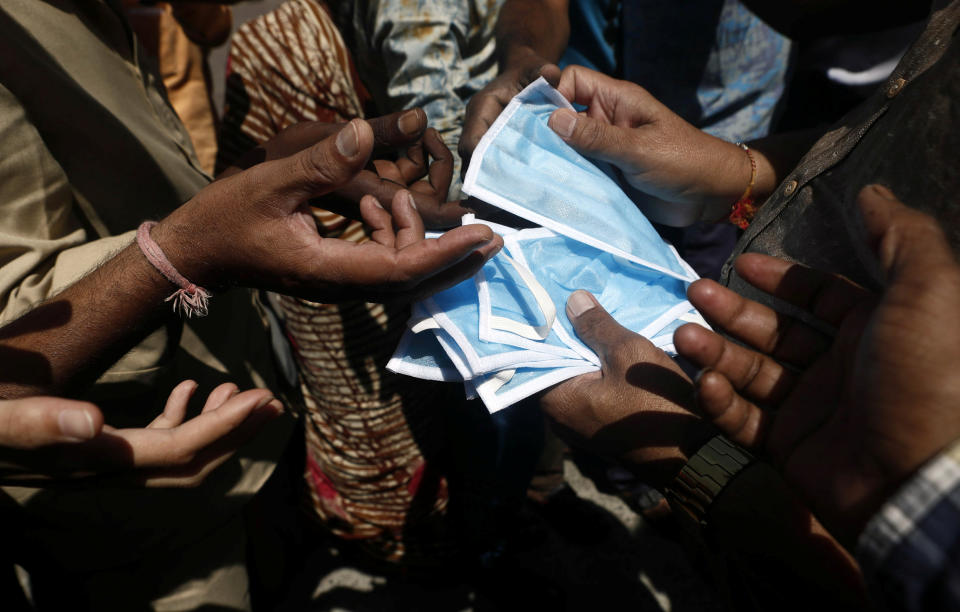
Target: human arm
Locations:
point(252, 229)
point(858, 412)
point(639, 410)
point(681, 174)
point(47, 440)
point(531, 36)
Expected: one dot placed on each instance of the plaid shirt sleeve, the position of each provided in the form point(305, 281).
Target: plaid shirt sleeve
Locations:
point(910, 550)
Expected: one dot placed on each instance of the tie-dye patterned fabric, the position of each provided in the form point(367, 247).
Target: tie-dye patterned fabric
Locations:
point(434, 54)
point(713, 62)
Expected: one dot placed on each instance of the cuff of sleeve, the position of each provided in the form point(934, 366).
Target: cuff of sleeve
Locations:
point(906, 545)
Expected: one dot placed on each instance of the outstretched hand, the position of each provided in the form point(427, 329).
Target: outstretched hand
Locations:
point(638, 408)
point(50, 438)
point(682, 174)
point(424, 155)
point(255, 228)
point(846, 418)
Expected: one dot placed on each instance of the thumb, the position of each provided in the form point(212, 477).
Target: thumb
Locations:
point(41, 421)
point(315, 171)
point(591, 137)
point(908, 243)
point(595, 326)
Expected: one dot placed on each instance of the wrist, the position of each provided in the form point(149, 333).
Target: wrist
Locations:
point(659, 466)
point(704, 478)
point(184, 251)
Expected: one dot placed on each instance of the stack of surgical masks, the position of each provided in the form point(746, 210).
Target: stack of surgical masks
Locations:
point(504, 333)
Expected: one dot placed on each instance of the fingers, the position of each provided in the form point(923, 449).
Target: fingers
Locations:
point(595, 326)
point(389, 170)
point(827, 296)
point(461, 270)
point(755, 375)
point(219, 396)
point(550, 72)
point(369, 269)
point(909, 243)
point(762, 328)
point(739, 419)
point(398, 129)
point(176, 406)
point(378, 220)
point(483, 110)
point(313, 172)
point(152, 448)
point(35, 422)
point(408, 223)
point(413, 166)
point(592, 137)
point(441, 169)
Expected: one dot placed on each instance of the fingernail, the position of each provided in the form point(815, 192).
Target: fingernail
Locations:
point(409, 122)
point(409, 197)
point(883, 192)
point(264, 402)
point(348, 140)
point(563, 123)
point(76, 424)
point(578, 303)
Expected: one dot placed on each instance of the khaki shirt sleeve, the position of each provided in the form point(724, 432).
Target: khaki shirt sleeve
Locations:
point(43, 245)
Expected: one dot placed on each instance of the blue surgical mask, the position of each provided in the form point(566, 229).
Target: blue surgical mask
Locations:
point(505, 332)
point(524, 167)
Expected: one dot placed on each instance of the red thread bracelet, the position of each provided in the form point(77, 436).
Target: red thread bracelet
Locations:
point(743, 210)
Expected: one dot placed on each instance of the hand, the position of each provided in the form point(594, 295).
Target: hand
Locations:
point(682, 174)
point(486, 104)
point(637, 408)
point(383, 178)
point(865, 408)
point(429, 195)
point(50, 437)
point(255, 229)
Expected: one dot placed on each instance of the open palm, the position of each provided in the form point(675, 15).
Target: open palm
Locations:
point(847, 416)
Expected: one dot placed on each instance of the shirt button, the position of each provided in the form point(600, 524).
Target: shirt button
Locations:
point(789, 188)
point(896, 87)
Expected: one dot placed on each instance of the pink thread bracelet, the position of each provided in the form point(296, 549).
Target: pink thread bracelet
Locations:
point(189, 299)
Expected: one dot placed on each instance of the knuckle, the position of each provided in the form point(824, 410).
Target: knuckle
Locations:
point(321, 168)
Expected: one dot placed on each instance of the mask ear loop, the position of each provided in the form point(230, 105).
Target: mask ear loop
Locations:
point(544, 303)
point(495, 382)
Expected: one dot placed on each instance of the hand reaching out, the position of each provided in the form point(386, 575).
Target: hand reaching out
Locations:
point(638, 408)
point(255, 229)
point(428, 183)
point(858, 413)
point(383, 177)
point(44, 438)
point(682, 174)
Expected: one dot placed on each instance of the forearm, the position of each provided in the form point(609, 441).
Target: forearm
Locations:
point(760, 522)
point(70, 339)
point(775, 157)
point(541, 27)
